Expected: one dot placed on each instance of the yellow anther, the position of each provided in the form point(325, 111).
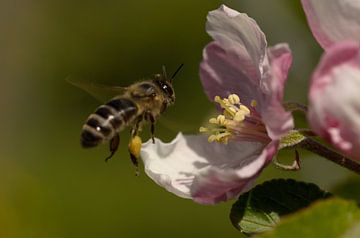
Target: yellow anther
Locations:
point(234, 99)
point(239, 116)
point(213, 120)
point(244, 109)
point(223, 137)
point(253, 103)
point(217, 99)
point(212, 138)
point(226, 123)
point(203, 129)
point(219, 137)
point(224, 140)
point(231, 110)
point(221, 119)
point(223, 102)
point(227, 114)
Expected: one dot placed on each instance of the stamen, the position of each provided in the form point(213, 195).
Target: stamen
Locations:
point(203, 129)
point(244, 109)
point(239, 116)
point(213, 120)
point(221, 119)
point(237, 122)
point(234, 99)
point(212, 138)
point(253, 103)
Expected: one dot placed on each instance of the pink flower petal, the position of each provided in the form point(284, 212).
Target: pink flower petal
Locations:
point(334, 110)
point(278, 122)
point(191, 167)
point(226, 71)
point(219, 185)
point(236, 30)
point(237, 54)
point(333, 20)
point(237, 62)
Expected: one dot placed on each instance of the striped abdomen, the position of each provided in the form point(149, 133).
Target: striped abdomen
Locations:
point(108, 120)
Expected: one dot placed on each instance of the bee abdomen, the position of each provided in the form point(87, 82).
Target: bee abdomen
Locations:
point(108, 120)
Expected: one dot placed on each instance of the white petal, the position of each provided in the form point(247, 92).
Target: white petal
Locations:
point(237, 30)
point(332, 21)
point(278, 121)
point(191, 167)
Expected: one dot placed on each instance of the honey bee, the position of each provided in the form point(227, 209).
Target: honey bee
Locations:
point(140, 102)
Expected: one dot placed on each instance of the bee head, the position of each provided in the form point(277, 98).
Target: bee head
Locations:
point(167, 89)
point(166, 85)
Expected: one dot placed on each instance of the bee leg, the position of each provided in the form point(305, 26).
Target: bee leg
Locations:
point(151, 118)
point(135, 130)
point(152, 129)
point(134, 151)
point(114, 145)
point(134, 160)
point(135, 142)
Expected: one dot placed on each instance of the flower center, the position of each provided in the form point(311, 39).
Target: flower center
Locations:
point(238, 122)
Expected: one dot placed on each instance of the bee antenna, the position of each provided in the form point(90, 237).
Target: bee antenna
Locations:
point(177, 71)
point(164, 72)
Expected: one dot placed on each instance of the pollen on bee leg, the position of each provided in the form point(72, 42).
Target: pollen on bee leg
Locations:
point(135, 146)
point(134, 150)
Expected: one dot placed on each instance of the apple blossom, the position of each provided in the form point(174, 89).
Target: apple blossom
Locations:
point(246, 79)
point(334, 111)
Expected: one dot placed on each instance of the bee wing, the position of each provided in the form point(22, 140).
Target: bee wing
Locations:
point(99, 91)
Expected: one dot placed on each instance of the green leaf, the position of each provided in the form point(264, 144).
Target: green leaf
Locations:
point(349, 189)
point(332, 218)
point(260, 209)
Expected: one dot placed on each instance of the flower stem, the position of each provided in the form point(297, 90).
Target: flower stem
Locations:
point(317, 148)
point(295, 106)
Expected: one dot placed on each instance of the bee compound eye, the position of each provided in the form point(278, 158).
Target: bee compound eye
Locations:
point(168, 89)
point(165, 87)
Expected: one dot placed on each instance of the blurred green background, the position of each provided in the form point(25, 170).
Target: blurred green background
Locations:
point(49, 185)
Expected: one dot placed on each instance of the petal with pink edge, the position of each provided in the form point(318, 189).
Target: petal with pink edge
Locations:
point(191, 167)
point(333, 21)
point(233, 29)
point(278, 121)
point(334, 110)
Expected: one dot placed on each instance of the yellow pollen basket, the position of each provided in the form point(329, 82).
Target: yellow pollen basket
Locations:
point(135, 146)
point(221, 127)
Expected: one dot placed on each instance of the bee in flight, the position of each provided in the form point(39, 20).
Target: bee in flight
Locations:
point(140, 102)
